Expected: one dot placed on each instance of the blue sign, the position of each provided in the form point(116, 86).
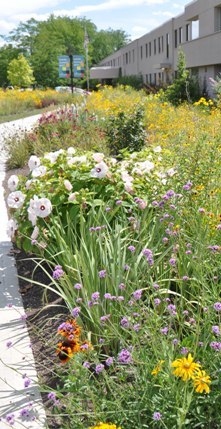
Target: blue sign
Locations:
point(78, 63)
point(65, 66)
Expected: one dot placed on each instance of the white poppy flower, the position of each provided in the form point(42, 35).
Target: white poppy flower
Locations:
point(126, 177)
point(157, 149)
point(12, 226)
point(33, 162)
point(32, 216)
point(16, 199)
point(42, 207)
point(128, 187)
point(28, 184)
point(39, 171)
point(100, 170)
point(171, 172)
point(72, 197)
point(13, 182)
point(35, 233)
point(71, 151)
point(52, 156)
point(31, 210)
point(68, 185)
point(98, 157)
point(77, 159)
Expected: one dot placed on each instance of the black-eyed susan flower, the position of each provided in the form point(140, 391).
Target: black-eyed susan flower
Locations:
point(201, 382)
point(66, 349)
point(185, 367)
point(69, 329)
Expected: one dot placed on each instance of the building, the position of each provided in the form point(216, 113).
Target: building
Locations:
point(154, 56)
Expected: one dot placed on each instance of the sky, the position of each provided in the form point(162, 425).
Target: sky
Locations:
point(135, 17)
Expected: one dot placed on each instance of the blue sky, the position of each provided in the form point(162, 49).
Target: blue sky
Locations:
point(136, 17)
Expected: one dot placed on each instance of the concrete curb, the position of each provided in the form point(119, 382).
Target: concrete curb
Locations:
point(20, 399)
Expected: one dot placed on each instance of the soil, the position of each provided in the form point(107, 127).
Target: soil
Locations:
point(45, 311)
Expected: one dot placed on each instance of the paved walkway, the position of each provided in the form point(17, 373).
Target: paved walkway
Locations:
point(20, 399)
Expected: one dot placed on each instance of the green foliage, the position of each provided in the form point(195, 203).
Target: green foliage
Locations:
point(20, 73)
point(135, 82)
point(7, 54)
point(126, 132)
point(184, 87)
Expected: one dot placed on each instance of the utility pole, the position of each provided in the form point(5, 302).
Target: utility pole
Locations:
point(86, 42)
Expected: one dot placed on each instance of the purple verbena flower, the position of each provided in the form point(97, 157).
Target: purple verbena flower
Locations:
point(137, 294)
point(124, 322)
point(216, 330)
point(217, 306)
point(125, 357)
point(75, 312)
point(131, 249)
point(78, 286)
point(157, 415)
point(99, 368)
point(102, 274)
point(109, 361)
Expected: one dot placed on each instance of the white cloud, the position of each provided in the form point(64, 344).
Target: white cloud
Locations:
point(19, 6)
point(163, 13)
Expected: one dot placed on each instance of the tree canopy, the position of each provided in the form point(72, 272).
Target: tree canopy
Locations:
point(43, 42)
point(20, 73)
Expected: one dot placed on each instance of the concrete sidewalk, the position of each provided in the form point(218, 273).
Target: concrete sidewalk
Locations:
point(20, 399)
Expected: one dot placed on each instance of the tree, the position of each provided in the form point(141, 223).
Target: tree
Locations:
point(106, 42)
point(20, 72)
point(7, 54)
point(184, 87)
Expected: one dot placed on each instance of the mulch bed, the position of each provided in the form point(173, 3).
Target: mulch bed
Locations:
point(44, 311)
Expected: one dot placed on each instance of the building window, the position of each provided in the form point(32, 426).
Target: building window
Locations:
point(129, 57)
point(175, 39)
point(159, 45)
point(180, 35)
point(133, 53)
point(149, 49)
point(155, 46)
point(150, 78)
point(146, 78)
point(167, 45)
point(146, 50)
point(155, 78)
point(218, 18)
point(188, 32)
point(126, 57)
point(195, 29)
point(141, 52)
point(162, 43)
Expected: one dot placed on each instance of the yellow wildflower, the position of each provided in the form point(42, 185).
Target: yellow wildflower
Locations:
point(201, 381)
point(105, 426)
point(157, 368)
point(185, 367)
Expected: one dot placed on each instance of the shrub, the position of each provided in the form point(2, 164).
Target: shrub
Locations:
point(126, 132)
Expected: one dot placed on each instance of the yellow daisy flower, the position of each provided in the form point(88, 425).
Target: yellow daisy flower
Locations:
point(105, 426)
point(185, 367)
point(157, 368)
point(201, 381)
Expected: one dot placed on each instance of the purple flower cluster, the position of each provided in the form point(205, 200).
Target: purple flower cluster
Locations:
point(102, 274)
point(58, 272)
point(137, 294)
point(75, 312)
point(217, 306)
point(215, 345)
point(125, 357)
point(149, 255)
point(97, 228)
